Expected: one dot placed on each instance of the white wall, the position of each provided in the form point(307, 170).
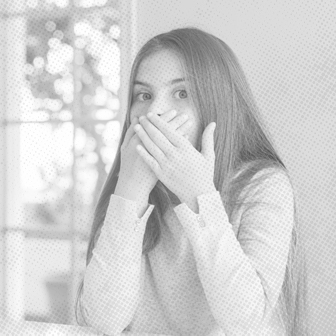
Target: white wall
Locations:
point(287, 49)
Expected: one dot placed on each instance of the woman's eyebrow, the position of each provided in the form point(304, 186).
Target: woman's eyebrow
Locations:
point(172, 82)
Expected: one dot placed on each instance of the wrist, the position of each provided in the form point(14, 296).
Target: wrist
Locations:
point(192, 197)
point(130, 191)
point(141, 197)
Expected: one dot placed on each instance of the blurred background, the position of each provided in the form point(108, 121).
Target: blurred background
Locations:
point(64, 67)
point(60, 125)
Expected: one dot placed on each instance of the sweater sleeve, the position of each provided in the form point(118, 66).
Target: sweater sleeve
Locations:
point(242, 276)
point(112, 278)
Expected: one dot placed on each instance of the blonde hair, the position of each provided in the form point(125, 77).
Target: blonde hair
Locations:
point(220, 93)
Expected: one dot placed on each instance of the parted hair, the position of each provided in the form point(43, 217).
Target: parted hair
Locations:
point(220, 92)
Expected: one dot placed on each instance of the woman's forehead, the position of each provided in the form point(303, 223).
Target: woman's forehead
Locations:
point(162, 65)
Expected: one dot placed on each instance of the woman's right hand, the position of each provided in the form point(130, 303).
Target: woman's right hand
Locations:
point(133, 170)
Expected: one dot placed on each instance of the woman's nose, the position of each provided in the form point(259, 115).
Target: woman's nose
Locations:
point(159, 107)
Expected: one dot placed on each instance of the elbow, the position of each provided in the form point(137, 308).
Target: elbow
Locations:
point(250, 320)
point(108, 323)
point(105, 317)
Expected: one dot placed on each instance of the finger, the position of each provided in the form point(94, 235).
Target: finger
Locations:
point(185, 127)
point(208, 141)
point(151, 139)
point(154, 135)
point(169, 115)
point(164, 133)
point(135, 138)
point(178, 121)
point(149, 160)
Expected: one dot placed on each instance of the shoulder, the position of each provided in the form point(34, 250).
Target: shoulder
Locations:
point(266, 205)
point(259, 182)
point(273, 178)
point(259, 175)
point(269, 191)
point(260, 191)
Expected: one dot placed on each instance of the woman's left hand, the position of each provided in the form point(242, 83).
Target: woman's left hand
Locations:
point(177, 164)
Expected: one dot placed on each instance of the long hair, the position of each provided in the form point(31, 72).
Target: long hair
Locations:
point(220, 92)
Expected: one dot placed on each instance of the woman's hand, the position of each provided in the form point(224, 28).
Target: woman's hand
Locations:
point(176, 163)
point(133, 169)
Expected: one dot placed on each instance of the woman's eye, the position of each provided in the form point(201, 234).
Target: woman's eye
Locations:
point(182, 94)
point(145, 96)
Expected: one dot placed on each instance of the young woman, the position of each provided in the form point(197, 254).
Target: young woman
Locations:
point(195, 231)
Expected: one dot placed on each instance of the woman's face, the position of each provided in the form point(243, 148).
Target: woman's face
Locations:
point(160, 86)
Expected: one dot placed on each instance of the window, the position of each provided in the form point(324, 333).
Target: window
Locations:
point(61, 69)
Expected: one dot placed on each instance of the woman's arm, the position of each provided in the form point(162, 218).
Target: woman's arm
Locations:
point(242, 279)
point(112, 278)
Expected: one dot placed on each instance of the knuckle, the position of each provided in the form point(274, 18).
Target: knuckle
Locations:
point(188, 123)
point(184, 117)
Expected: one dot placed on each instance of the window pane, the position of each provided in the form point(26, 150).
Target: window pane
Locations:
point(64, 146)
point(72, 67)
point(95, 147)
point(46, 161)
point(47, 182)
point(47, 280)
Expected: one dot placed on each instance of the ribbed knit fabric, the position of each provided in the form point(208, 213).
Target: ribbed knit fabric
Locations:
point(207, 276)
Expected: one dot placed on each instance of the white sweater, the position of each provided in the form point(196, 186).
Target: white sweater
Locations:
point(204, 277)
